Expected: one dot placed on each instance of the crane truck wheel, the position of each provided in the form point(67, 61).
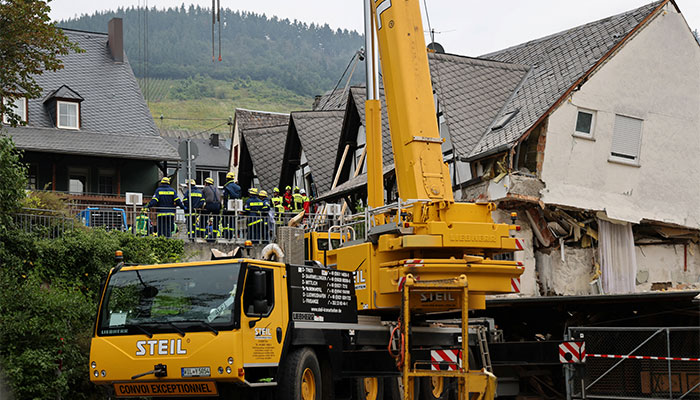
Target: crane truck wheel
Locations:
point(301, 376)
point(436, 388)
point(369, 388)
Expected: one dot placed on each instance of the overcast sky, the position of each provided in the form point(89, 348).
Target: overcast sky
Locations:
point(466, 27)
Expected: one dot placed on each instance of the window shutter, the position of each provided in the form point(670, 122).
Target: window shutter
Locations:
point(627, 137)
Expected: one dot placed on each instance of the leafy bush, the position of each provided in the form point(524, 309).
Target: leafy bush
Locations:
point(13, 179)
point(49, 292)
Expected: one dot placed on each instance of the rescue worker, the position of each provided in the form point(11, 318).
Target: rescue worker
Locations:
point(142, 223)
point(212, 207)
point(194, 229)
point(268, 217)
point(305, 201)
point(277, 206)
point(297, 201)
point(253, 209)
point(165, 199)
point(288, 199)
point(231, 192)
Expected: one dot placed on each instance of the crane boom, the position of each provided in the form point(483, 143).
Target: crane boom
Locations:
point(415, 138)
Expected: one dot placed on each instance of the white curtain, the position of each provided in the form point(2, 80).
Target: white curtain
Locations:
point(618, 261)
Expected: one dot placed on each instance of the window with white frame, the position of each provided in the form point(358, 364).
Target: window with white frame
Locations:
point(18, 107)
point(67, 115)
point(78, 180)
point(627, 139)
point(585, 122)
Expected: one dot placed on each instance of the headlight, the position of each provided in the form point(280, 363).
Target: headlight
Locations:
point(96, 373)
point(230, 361)
point(228, 370)
point(93, 365)
point(104, 373)
point(221, 370)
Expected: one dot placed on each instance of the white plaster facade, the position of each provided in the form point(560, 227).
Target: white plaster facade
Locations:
point(655, 77)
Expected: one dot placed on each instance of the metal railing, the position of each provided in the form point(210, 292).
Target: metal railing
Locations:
point(43, 223)
point(636, 363)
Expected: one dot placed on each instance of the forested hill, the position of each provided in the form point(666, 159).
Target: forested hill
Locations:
point(305, 59)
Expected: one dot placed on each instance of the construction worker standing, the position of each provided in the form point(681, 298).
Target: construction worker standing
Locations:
point(288, 199)
point(253, 210)
point(231, 192)
point(142, 225)
point(165, 199)
point(277, 206)
point(212, 208)
point(305, 201)
point(297, 201)
point(194, 228)
point(268, 214)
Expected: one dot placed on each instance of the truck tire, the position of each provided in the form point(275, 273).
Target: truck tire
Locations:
point(369, 389)
point(301, 376)
point(437, 388)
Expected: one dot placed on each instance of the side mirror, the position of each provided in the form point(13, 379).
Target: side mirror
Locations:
point(258, 286)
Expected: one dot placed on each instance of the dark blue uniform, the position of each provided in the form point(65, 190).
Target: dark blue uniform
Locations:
point(254, 209)
point(231, 191)
point(197, 204)
point(165, 199)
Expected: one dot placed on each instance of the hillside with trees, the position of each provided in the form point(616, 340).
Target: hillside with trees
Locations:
point(266, 62)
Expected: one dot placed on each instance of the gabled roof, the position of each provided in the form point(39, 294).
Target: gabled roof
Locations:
point(266, 149)
point(472, 92)
point(248, 119)
point(319, 133)
point(359, 95)
point(559, 62)
point(64, 92)
point(112, 107)
point(332, 100)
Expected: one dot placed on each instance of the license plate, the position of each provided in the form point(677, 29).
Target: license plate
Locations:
point(196, 372)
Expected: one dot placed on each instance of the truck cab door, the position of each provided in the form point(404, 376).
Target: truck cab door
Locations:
point(264, 316)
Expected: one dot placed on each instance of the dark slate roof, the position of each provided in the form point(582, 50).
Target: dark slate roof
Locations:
point(186, 133)
point(352, 185)
point(359, 95)
point(472, 92)
point(101, 144)
point(64, 92)
point(557, 62)
point(248, 119)
point(113, 106)
point(266, 148)
point(208, 155)
point(319, 134)
point(332, 100)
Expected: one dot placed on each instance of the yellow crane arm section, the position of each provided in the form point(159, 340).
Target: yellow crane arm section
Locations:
point(420, 171)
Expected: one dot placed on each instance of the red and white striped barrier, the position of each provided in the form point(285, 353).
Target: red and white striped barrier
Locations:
point(518, 244)
point(643, 357)
point(449, 358)
point(572, 352)
point(414, 263)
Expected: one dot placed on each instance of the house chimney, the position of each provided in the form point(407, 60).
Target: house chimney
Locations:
point(214, 140)
point(115, 39)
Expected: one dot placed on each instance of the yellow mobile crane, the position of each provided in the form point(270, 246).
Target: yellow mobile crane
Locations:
point(248, 328)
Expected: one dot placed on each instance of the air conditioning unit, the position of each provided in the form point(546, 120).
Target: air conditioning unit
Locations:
point(234, 205)
point(333, 209)
point(134, 199)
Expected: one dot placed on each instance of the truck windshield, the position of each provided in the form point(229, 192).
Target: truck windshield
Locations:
point(180, 299)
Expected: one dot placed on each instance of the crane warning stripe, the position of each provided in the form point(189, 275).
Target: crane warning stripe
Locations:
point(449, 358)
point(572, 352)
point(518, 244)
point(138, 389)
point(515, 285)
point(644, 357)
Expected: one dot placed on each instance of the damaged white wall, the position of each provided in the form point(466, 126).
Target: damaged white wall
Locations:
point(654, 77)
point(567, 275)
point(666, 263)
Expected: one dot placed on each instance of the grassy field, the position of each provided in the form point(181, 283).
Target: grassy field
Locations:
point(201, 103)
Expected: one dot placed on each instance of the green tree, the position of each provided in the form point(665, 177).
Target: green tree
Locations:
point(12, 180)
point(29, 45)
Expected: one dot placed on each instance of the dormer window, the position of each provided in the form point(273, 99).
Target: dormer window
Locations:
point(67, 115)
point(63, 106)
point(18, 106)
